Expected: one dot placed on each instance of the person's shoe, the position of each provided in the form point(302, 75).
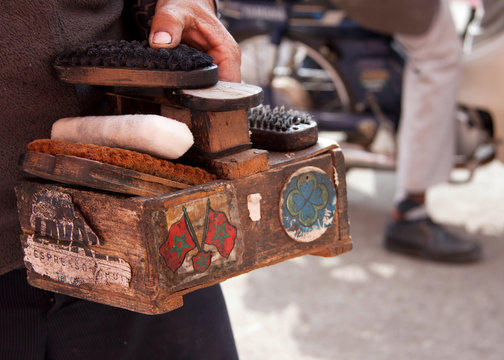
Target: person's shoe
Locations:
point(424, 238)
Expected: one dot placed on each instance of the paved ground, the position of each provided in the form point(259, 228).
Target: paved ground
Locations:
point(370, 304)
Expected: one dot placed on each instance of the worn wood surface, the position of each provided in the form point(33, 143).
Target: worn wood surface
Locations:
point(94, 75)
point(94, 174)
point(178, 113)
point(119, 223)
point(342, 212)
point(218, 131)
point(237, 165)
point(323, 145)
point(223, 96)
point(180, 241)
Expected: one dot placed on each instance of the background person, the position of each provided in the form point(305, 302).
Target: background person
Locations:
point(426, 139)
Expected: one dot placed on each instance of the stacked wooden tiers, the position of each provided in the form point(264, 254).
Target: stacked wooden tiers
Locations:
point(134, 241)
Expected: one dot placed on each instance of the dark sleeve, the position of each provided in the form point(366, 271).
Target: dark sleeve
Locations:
point(140, 13)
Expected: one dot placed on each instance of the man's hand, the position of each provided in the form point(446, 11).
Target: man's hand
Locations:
point(195, 23)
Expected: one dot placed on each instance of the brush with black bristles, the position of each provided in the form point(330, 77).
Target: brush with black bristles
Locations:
point(279, 129)
point(121, 63)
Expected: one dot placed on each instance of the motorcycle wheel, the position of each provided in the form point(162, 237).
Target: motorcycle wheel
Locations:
point(293, 74)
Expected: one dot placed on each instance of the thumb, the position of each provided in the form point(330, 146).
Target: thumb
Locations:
point(166, 31)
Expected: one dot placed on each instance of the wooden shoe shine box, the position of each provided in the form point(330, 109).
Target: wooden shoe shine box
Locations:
point(143, 253)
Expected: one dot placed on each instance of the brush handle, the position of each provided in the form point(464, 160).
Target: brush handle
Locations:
point(133, 77)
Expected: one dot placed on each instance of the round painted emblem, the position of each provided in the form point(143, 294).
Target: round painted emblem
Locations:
point(307, 204)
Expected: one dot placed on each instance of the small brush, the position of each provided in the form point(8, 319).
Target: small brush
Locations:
point(279, 129)
point(118, 62)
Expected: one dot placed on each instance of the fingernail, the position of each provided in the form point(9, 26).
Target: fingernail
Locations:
point(161, 37)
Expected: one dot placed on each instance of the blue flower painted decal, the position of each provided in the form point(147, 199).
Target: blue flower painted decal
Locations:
point(308, 204)
point(308, 199)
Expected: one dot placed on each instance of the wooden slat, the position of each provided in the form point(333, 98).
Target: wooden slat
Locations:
point(90, 173)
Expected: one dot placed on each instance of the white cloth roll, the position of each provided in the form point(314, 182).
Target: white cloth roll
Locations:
point(152, 134)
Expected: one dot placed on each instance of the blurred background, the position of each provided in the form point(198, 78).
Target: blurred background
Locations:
point(372, 304)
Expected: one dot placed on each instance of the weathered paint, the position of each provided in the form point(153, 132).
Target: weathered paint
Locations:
point(73, 264)
point(203, 234)
point(54, 215)
point(307, 204)
point(254, 206)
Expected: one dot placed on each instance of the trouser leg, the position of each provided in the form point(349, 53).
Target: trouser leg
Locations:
point(37, 325)
point(85, 330)
point(23, 327)
point(426, 142)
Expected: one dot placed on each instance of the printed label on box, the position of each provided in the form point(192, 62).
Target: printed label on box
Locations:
point(73, 264)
